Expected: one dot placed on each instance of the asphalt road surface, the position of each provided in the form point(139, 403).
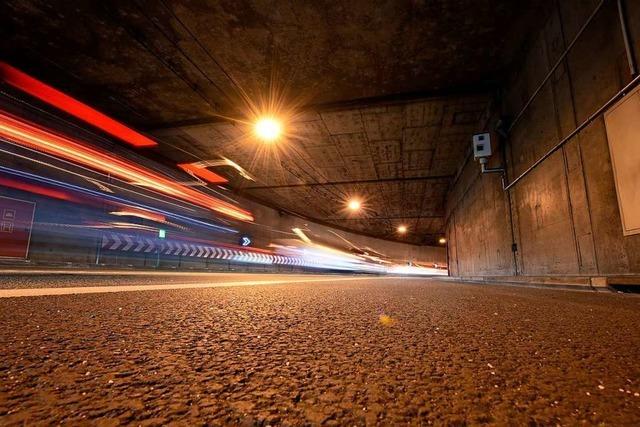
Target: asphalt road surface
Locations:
point(340, 351)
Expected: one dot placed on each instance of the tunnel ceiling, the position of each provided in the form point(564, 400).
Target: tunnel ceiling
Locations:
point(383, 98)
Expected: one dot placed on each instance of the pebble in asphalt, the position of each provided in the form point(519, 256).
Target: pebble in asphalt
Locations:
point(385, 352)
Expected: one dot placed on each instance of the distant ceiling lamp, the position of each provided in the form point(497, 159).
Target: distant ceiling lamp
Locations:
point(354, 205)
point(402, 229)
point(442, 240)
point(268, 129)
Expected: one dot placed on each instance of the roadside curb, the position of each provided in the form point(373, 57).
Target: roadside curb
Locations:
point(571, 283)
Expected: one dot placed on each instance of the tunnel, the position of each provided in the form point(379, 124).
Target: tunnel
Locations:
point(263, 213)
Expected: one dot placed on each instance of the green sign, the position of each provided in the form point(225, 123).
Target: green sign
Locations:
point(162, 233)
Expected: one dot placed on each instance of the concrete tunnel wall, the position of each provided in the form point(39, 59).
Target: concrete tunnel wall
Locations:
point(564, 214)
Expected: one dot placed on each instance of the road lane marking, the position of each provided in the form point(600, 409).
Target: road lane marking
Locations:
point(31, 292)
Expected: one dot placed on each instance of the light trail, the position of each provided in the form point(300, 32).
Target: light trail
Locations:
point(202, 173)
point(72, 106)
point(107, 185)
point(33, 136)
point(111, 197)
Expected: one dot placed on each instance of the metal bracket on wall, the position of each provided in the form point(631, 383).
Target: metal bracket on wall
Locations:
point(485, 169)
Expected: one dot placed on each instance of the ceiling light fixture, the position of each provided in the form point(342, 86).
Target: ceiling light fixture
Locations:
point(354, 205)
point(268, 129)
point(402, 229)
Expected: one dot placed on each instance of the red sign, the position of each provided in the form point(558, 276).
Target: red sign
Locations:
point(16, 220)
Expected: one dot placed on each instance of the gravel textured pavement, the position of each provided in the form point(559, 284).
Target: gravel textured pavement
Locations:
point(387, 352)
point(68, 279)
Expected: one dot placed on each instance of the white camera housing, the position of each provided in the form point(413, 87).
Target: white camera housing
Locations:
point(481, 145)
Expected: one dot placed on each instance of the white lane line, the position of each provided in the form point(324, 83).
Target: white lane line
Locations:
point(32, 292)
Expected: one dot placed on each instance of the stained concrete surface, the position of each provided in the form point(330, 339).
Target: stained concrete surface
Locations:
point(563, 217)
point(385, 352)
point(162, 63)
point(399, 158)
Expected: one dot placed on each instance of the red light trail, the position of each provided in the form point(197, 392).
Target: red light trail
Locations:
point(69, 105)
point(202, 173)
point(32, 136)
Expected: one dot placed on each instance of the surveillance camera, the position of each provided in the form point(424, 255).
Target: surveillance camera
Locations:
point(481, 145)
point(482, 152)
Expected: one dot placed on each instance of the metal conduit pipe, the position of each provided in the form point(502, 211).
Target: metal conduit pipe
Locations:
point(555, 66)
point(621, 94)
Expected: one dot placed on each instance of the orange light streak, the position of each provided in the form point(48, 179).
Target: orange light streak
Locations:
point(43, 140)
point(202, 173)
point(139, 213)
